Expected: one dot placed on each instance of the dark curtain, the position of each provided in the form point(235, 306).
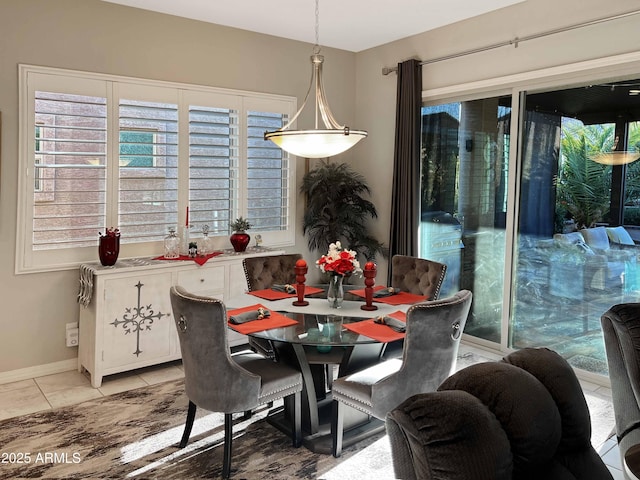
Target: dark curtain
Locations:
point(541, 139)
point(405, 196)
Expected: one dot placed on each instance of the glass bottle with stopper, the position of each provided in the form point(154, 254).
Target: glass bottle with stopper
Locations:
point(171, 244)
point(204, 245)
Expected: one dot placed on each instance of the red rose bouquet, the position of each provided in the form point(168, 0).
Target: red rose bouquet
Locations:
point(338, 261)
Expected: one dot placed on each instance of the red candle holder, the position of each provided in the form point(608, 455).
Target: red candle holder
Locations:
point(301, 271)
point(369, 272)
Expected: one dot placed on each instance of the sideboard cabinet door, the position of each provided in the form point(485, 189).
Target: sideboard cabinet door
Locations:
point(138, 329)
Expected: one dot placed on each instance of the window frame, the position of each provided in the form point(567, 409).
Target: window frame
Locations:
point(114, 88)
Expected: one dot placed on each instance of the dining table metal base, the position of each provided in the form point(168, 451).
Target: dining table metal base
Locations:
point(358, 426)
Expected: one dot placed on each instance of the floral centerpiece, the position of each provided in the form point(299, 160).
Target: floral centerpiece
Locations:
point(338, 263)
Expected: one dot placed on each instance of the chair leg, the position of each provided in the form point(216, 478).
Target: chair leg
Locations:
point(228, 440)
point(297, 419)
point(337, 428)
point(329, 374)
point(191, 415)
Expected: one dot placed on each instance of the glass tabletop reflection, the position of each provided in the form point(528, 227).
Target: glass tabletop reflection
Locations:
point(316, 329)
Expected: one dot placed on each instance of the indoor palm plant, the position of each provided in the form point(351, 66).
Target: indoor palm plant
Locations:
point(337, 210)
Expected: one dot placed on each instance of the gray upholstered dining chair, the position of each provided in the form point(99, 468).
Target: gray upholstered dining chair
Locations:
point(415, 275)
point(621, 331)
point(265, 272)
point(217, 381)
point(430, 351)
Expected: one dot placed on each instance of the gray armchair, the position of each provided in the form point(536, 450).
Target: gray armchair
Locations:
point(431, 344)
point(220, 382)
point(621, 330)
point(523, 418)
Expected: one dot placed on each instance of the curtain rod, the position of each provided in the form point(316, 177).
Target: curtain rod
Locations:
point(516, 41)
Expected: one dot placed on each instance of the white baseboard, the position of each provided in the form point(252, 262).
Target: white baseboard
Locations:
point(38, 371)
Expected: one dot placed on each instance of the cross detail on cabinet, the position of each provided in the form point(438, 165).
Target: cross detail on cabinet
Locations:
point(136, 319)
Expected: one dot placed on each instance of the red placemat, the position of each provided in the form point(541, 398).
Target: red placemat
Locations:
point(275, 320)
point(271, 294)
point(401, 298)
point(198, 260)
point(379, 332)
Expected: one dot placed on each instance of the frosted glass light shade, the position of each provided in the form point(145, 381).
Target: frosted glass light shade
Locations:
point(615, 158)
point(316, 143)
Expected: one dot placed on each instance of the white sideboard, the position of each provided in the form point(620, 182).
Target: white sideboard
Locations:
point(129, 323)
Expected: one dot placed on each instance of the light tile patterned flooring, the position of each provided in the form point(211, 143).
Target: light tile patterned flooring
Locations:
point(68, 388)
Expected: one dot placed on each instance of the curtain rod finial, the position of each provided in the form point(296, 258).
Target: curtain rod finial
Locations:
point(388, 70)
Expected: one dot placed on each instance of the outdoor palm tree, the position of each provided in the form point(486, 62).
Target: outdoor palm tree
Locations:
point(337, 210)
point(584, 186)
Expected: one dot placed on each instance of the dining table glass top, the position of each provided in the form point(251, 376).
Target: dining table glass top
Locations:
point(317, 329)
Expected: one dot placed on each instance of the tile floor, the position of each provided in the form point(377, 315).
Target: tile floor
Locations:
point(68, 388)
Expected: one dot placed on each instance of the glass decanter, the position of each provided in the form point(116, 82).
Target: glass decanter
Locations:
point(205, 244)
point(171, 244)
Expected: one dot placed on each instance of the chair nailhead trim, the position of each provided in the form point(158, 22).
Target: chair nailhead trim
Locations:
point(355, 405)
point(288, 387)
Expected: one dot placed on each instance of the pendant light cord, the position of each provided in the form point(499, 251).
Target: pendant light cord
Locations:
point(316, 47)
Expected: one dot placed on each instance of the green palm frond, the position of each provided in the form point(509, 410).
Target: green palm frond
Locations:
point(584, 186)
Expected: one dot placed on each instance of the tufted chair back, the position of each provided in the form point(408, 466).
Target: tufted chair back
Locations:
point(523, 418)
point(417, 275)
point(264, 272)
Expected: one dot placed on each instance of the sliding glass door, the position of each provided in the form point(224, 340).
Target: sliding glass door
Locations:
point(569, 269)
point(547, 280)
point(464, 200)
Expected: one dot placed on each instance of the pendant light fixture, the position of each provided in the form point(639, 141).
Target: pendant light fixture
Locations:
point(615, 157)
point(317, 142)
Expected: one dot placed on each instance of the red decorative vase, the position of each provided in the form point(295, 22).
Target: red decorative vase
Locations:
point(108, 249)
point(240, 240)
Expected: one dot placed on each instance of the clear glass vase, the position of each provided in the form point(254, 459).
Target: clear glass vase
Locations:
point(335, 292)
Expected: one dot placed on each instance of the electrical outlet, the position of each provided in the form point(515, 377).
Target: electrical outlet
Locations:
point(72, 334)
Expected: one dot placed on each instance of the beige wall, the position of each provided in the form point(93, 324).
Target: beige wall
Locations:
point(95, 36)
point(98, 36)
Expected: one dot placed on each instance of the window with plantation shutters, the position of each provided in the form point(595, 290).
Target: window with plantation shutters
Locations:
point(213, 167)
point(267, 174)
point(101, 151)
point(67, 201)
point(147, 169)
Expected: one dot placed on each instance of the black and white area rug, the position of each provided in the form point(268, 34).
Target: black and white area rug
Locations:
point(135, 435)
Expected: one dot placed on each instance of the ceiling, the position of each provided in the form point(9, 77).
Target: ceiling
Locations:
point(592, 104)
point(352, 25)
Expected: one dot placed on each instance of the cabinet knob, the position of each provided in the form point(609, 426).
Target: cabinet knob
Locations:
point(202, 280)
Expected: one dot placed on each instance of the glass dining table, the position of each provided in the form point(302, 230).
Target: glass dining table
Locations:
point(320, 343)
